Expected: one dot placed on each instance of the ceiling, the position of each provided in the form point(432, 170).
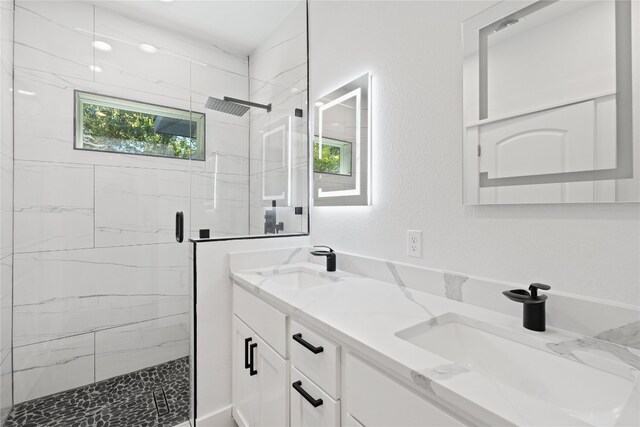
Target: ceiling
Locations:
point(236, 26)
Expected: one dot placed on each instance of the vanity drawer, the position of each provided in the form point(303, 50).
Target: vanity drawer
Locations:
point(303, 411)
point(316, 357)
point(375, 399)
point(265, 320)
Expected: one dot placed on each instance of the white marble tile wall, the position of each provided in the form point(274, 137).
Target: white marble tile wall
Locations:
point(278, 75)
point(140, 345)
point(63, 293)
point(6, 206)
point(54, 206)
point(48, 367)
point(95, 239)
point(136, 206)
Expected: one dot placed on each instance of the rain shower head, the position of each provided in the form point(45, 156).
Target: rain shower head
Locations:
point(234, 106)
point(226, 106)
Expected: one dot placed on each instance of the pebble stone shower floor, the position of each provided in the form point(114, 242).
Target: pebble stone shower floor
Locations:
point(152, 397)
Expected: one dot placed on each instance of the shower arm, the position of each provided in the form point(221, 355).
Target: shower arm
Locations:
point(248, 103)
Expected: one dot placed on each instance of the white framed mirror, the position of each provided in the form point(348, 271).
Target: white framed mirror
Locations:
point(342, 145)
point(550, 88)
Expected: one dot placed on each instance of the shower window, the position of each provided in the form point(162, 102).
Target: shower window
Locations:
point(335, 158)
point(116, 125)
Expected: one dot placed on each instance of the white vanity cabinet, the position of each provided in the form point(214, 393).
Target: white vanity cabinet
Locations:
point(373, 399)
point(260, 375)
point(288, 374)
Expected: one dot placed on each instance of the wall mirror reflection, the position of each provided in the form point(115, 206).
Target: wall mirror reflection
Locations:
point(276, 162)
point(333, 158)
point(549, 95)
point(342, 145)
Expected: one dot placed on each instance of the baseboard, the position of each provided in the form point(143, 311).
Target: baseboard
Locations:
point(220, 418)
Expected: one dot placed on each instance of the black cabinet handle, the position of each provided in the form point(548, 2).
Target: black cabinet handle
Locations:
point(179, 226)
point(246, 353)
point(314, 402)
point(252, 371)
point(315, 350)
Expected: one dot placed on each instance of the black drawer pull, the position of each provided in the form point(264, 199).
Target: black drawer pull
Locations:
point(246, 353)
point(298, 387)
point(252, 371)
point(315, 350)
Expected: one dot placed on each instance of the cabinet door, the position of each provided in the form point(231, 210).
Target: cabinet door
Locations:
point(326, 411)
point(377, 400)
point(272, 403)
point(244, 385)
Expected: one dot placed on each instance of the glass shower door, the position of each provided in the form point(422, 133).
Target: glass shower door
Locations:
point(104, 137)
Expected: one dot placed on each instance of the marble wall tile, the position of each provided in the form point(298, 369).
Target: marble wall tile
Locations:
point(62, 43)
point(138, 206)
point(45, 368)
point(129, 348)
point(220, 203)
point(44, 128)
point(64, 293)
point(53, 206)
point(6, 318)
point(6, 207)
point(6, 387)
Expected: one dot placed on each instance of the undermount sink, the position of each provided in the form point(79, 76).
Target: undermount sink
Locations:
point(588, 394)
point(297, 279)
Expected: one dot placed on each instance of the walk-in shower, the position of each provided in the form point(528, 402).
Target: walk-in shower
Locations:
point(108, 128)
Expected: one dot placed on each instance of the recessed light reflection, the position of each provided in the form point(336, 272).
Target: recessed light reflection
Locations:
point(26, 92)
point(103, 46)
point(166, 1)
point(95, 68)
point(100, 114)
point(148, 48)
point(319, 104)
point(295, 90)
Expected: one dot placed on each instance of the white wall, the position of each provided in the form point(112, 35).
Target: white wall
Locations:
point(414, 52)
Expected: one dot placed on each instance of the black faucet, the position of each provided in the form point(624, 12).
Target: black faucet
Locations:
point(331, 257)
point(533, 317)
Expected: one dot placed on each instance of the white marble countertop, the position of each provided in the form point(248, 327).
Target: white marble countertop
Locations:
point(365, 314)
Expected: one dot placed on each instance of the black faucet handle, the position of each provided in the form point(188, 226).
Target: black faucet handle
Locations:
point(534, 289)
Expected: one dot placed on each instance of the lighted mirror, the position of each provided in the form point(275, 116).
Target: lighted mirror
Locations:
point(342, 145)
point(549, 95)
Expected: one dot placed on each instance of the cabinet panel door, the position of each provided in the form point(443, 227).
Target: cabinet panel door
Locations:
point(377, 400)
point(303, 413)
point(272, 406)
point(244, 386)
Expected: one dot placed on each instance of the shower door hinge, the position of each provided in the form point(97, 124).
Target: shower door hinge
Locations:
point(479, 150)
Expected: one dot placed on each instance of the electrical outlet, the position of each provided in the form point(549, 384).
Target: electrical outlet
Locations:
point(414, 243)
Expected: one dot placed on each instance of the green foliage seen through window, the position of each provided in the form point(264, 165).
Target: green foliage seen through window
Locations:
point(124, 131)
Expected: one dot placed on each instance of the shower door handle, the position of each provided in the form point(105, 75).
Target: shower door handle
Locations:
point(179, 226)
